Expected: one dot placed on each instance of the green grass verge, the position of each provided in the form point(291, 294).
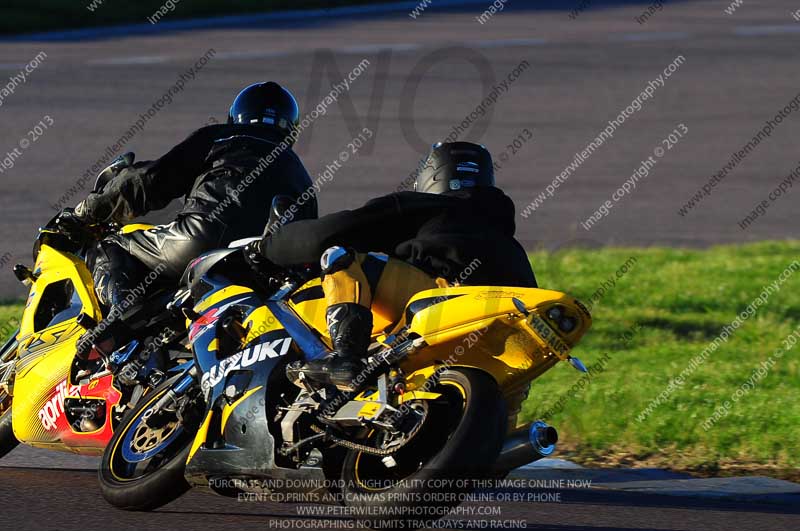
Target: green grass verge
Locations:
point(666, 310)
point(9, 319)
point(21, 17)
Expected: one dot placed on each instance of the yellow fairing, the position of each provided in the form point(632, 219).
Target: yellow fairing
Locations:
point(312, 310)
point(202, 435)
point(46, 351)
point(472, 326)
point(259, 322)
point(53, 266)
point(221, 295)
point(480, 327)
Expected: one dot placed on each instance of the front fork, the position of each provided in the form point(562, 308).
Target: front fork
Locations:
point(169, 402)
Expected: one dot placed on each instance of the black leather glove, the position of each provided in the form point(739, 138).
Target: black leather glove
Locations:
point(70, 223)
point(93, 209)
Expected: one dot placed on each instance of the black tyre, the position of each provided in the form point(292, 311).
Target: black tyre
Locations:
point(459, 442)
point(7, 440)
point(142, 468)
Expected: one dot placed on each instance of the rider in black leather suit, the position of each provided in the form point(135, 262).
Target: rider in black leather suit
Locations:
point(457, 227)
point(228, 175)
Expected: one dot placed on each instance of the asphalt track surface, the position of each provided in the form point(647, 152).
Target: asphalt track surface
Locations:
point(740, 70)
point(67, 500)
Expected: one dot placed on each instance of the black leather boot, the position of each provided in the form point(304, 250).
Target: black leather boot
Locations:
point(112, 332)
point(350, 326)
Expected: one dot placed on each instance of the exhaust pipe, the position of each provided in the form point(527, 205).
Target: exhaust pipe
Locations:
point(526, 445)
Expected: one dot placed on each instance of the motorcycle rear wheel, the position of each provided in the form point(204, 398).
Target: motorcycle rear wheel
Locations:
point(133, 479)
point(459, 440)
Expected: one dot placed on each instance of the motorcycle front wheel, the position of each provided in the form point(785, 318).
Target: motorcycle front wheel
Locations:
point(7, 355)
point(7, 439)
point(142, 467)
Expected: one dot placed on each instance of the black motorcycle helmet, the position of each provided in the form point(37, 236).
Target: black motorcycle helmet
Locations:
point(268, 104)
point(454, 166)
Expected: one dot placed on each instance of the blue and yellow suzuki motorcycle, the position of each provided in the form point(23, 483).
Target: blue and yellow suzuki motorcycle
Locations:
point(439, 398)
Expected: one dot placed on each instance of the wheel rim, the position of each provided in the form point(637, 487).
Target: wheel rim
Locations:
point(444, 417)
point(141, 450)
point(142, 442)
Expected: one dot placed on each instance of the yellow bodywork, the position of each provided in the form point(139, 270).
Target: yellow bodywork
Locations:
point(221, 295)
point(312, 312)
point(477, 327)
point(201, 436)
point(45, 355)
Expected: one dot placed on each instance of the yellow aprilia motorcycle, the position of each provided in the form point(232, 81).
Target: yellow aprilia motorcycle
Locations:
point(438, 400)
point(47, 398)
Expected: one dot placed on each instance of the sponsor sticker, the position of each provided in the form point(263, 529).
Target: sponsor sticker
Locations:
point(54, 408)
point(245, 358)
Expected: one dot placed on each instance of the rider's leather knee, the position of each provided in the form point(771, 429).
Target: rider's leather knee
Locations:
point(336, 258)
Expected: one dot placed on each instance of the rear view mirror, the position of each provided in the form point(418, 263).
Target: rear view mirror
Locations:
point(280, 205)
point(111, 171)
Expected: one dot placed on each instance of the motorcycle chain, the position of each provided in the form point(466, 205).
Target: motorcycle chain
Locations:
point(355, 446)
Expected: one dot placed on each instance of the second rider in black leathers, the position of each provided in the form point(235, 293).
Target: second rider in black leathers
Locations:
point(228, 175)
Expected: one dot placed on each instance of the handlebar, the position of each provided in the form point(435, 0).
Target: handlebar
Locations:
point(67, 232)
point(68, 224)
